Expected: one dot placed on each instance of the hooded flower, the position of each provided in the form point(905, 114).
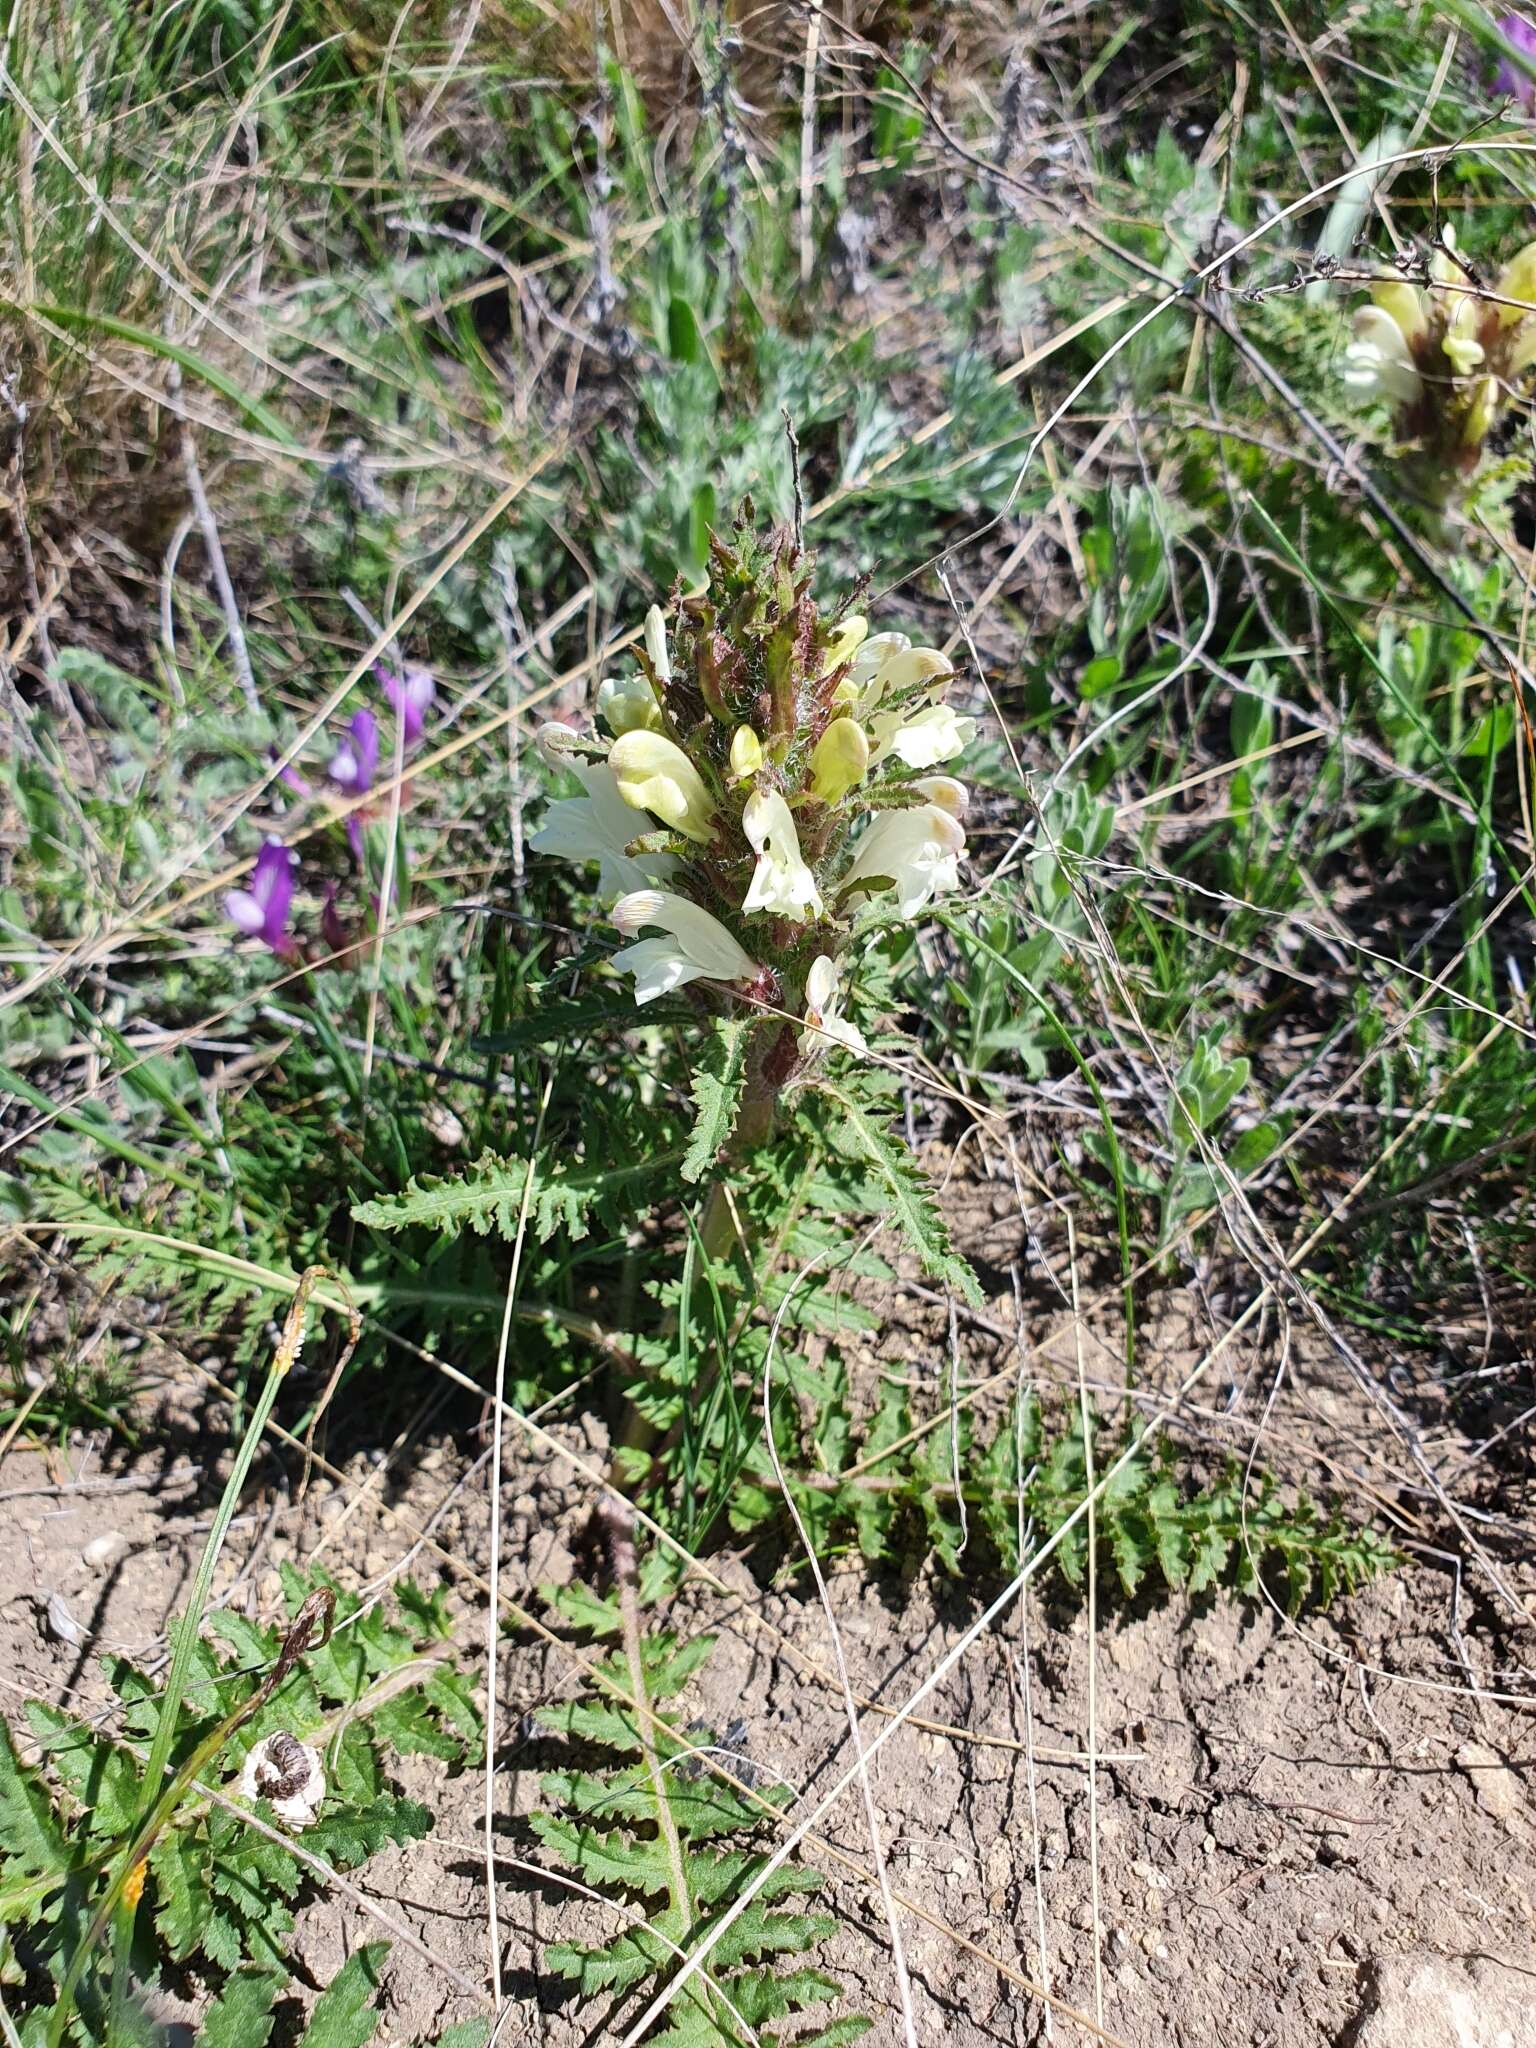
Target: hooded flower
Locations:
point(781, 881)
point(944, 791)
point(410, 695)
point(917, 852)
point(654, 774)
point(921, 739)
point(696, 944)
point(825, 1024)
point(597, 825)
point(887, 666)
point(261, 911)
point(1378, 362)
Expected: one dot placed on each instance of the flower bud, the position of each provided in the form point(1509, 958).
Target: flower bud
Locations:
point(1485, 401)
point(654, 774)
point(628, 705)
point(845, 642)
point(746, 753)
point(839, 761)
point(656, 642)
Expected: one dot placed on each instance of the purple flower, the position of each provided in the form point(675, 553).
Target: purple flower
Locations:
point(261, 911)
point(410, 695)
point(287, 774)
point(1508, 79)
point(357, 758)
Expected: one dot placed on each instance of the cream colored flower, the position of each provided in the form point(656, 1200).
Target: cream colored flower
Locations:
point(598, 825)
point(944, 791)
point(1377, 362)
point(781, 881)
point(825, 1024)
point(654, 774)
point(888, 666)
point(697, 944)
point(921, 739)
point(916, 852)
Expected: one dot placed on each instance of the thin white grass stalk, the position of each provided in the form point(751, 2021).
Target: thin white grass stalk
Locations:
point(866, 1787)
point(213, 548)
point(1093, 1635)
point(1025, 1537)
point(954, 1429)
point(808, 146)
point(493, 1605)
point(1027, 1691)
point(935, 1678)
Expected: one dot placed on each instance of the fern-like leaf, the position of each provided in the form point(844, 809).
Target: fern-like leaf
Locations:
point(912, 1207)
point(488, 1197)
point(609, 1834)
point(717, 1084)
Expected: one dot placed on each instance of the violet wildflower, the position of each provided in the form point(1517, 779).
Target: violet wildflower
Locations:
point(410, 695)
point(356, 760)
point(1509, 80)
point(261, 911)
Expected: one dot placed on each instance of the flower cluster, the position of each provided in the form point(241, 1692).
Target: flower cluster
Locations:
point(264, 911)
point(764, 775)
point(1445, 357)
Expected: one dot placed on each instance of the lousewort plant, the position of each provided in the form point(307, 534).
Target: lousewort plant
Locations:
point(1446, 358)
point(764, 775)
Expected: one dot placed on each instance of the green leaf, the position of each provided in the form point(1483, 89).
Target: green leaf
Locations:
point(913, 1208)
point(159, 344)
point(102, 1777)
point(345, 2016)
point(30, 1833)
point(241, 2017)
point(717, 1085)
point(489, 1197)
